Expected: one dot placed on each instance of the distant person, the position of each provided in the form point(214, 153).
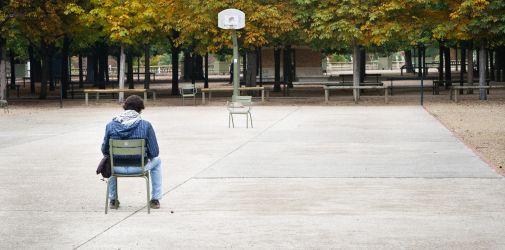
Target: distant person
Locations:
point(129, 125)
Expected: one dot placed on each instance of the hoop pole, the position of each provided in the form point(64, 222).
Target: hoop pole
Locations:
point(236, 66)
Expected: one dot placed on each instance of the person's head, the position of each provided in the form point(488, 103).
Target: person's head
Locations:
point(134, 102)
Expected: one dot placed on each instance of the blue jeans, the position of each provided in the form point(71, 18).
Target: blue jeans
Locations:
point(154, 165)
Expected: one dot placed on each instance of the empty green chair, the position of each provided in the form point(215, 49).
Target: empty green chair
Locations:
point(135, 147)
point(4, 104)
point(187, 90)
point(241, 106)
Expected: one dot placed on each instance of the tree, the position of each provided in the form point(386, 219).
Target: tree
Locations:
point(124, 22)
point(265, 21)
point(479, 21)
point(329, 23)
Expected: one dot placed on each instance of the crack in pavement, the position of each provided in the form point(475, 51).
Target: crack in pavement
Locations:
point(193, 177)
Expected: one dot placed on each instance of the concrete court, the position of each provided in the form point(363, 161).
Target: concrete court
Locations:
point(304, 178)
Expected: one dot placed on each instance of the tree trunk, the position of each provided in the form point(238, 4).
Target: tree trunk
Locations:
point(244, 65)
point(206, 77)
point(81, 76)
point(147, 66)
point(408, 61)
point(33, 62)
point(193, 68)
point(175, 70)
point(103, 63)
point(420, 66)
point(118, 60)
point(277, 69)
point(51, 69)
point(13, 69)
point(478, 61)
point(462, 67)
point(355, 68)
point(64, 66)
point(441, 62)
point(362, 64)
point(447, 64)
point(187, 65)
point(250, 80)
point(260, 65)
point(3, 73)
point(199, 69)
point(90, 74)
point(469, 58)
point(500, 64)
point(463, 58)
point(129, 73)
point(482, 71)
point(121, 73)
point(46, 59)
point(491, 66)
point(288, 66)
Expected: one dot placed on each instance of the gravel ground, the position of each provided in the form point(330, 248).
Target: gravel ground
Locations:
point(480, 124)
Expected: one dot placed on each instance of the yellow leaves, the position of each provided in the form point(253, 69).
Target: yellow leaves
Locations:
point(124, 21)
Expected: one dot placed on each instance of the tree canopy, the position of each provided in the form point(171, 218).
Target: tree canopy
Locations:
point(330, 25)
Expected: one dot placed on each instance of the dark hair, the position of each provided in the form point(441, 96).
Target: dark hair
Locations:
point(134, 102)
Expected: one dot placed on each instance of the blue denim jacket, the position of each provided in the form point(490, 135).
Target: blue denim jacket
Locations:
point(139, 130)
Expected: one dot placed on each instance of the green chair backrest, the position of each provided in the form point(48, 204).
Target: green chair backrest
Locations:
point(187, 88)
point(246, 100)
point(133, 147)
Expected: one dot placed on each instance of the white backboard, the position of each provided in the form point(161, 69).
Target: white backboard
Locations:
point(231, 19)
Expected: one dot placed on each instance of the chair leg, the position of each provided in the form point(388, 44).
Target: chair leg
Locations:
point(148, 194)
point(246, 121)
point(107, 198)
point(229, 120)
point(251, 119)
point(232, 122)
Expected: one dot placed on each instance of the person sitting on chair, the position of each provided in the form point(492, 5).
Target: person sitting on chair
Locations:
point(129, 125)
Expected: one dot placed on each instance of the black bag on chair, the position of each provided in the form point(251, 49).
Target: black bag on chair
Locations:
point(104, 167)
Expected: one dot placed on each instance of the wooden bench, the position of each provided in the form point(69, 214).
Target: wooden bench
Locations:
point(445, 83)
point(328, 88)
point(454, 90)
point(264, 91)
point(344, 76)
point(117, 91)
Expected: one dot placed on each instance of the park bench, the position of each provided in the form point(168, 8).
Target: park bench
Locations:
point(406, 78)
point(117, 91)
point(344, 76)
point(264, 91)
point(17, 86)
point(454, 91)
point(361, 87)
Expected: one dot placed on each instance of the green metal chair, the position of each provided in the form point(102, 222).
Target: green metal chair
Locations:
point(241, 106)
point(134, 147)
point(4, 104)
point(188, 90)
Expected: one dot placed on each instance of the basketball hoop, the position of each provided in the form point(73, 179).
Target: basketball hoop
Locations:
point(231, 19)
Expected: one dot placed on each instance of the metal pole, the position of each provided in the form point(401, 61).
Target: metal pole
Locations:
point(236, 66)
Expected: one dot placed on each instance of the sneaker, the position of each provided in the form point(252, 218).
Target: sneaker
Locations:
point(155, 204)
point(114, 204)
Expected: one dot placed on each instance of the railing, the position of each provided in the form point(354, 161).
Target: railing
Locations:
point(159, 70)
